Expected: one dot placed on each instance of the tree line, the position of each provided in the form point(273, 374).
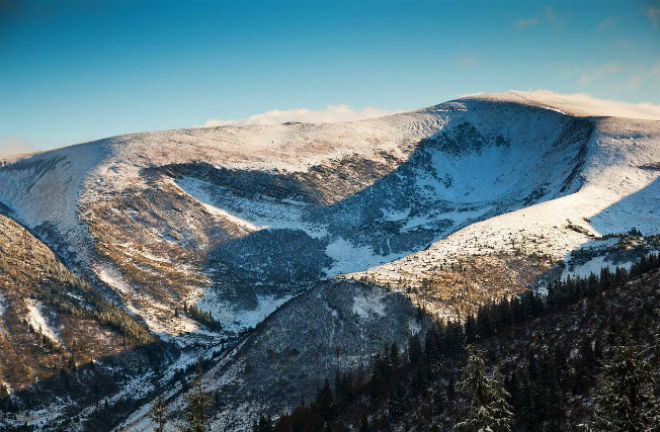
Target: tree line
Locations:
point(445, 372)
point(532, 398)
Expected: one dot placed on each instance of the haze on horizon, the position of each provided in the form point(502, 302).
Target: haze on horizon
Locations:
point(78, 70)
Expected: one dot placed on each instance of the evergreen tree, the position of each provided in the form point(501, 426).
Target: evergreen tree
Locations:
point(157, 412)
point(471, 332)
point(491, 411)
point(323, 402)
point(415, 352)
point(394, 356)
point(263, 425)
point(198, 403)
point(624, 399)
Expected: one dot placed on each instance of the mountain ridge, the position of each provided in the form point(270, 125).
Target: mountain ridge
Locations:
point(200, 234)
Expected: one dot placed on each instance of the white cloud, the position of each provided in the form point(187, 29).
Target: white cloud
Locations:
point(654, 15)
point(467, 60)
point(12, 144)
point(522, 23)
point(643, 74)
point(584, 104)
point(548, 15)
point(605, 24)
point(592, 73)
point(332, 114)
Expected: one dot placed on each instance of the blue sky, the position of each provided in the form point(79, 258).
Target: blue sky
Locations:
point(79, 70)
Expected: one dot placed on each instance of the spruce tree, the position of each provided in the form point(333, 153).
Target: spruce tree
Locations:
point(323, 402)
point(624, 399)
point(198, 403)
point(157, 412)
point(491, 411)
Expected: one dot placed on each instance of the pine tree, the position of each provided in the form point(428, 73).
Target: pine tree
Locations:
point(624, 399)
point(491, 411)
point(157, 412)
point(198, 403)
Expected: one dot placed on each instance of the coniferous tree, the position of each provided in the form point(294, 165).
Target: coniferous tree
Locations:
point(157, 412)
point(263, 425)
point(394, 356)
point(415, 351)
point(198, 403)
point(323, 402)
point(471, 331)
point(491, 410)
point(624, 399)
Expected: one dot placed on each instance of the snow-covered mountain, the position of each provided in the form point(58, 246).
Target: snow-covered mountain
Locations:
point(200, 234)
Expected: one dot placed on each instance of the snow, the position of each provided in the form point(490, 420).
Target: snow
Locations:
point(252, 215)
point(45, 189)
point(59, 189)
point(595, 265)
point(592, 266)
point(158, 317)
point(541, 229)
point(618, 195)
point(233, 319)
point(62, 187)
point(113, 279)
point(579, 104)
point(198, 190)
point(3, 304)
point(365, 307)
point(36, 319)
point(349, 257)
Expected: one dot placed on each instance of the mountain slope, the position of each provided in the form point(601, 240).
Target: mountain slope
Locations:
point(334, 326)
point(57, 335)
point(200, 234)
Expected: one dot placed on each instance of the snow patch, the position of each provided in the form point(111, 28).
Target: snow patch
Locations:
point(38, 322)
point(3, 304)
point(365, 307)
point(233, 319)
point(114, 279)
point(350, 258)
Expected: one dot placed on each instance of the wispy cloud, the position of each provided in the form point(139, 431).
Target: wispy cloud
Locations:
point(585, 104)
point(332, 114)
point(654, 15)
point(467, 60)
point(605, 24)
point(12, 144)
point(592, 73)
point(526, 22)
point(548, 15)
point(643, 74)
